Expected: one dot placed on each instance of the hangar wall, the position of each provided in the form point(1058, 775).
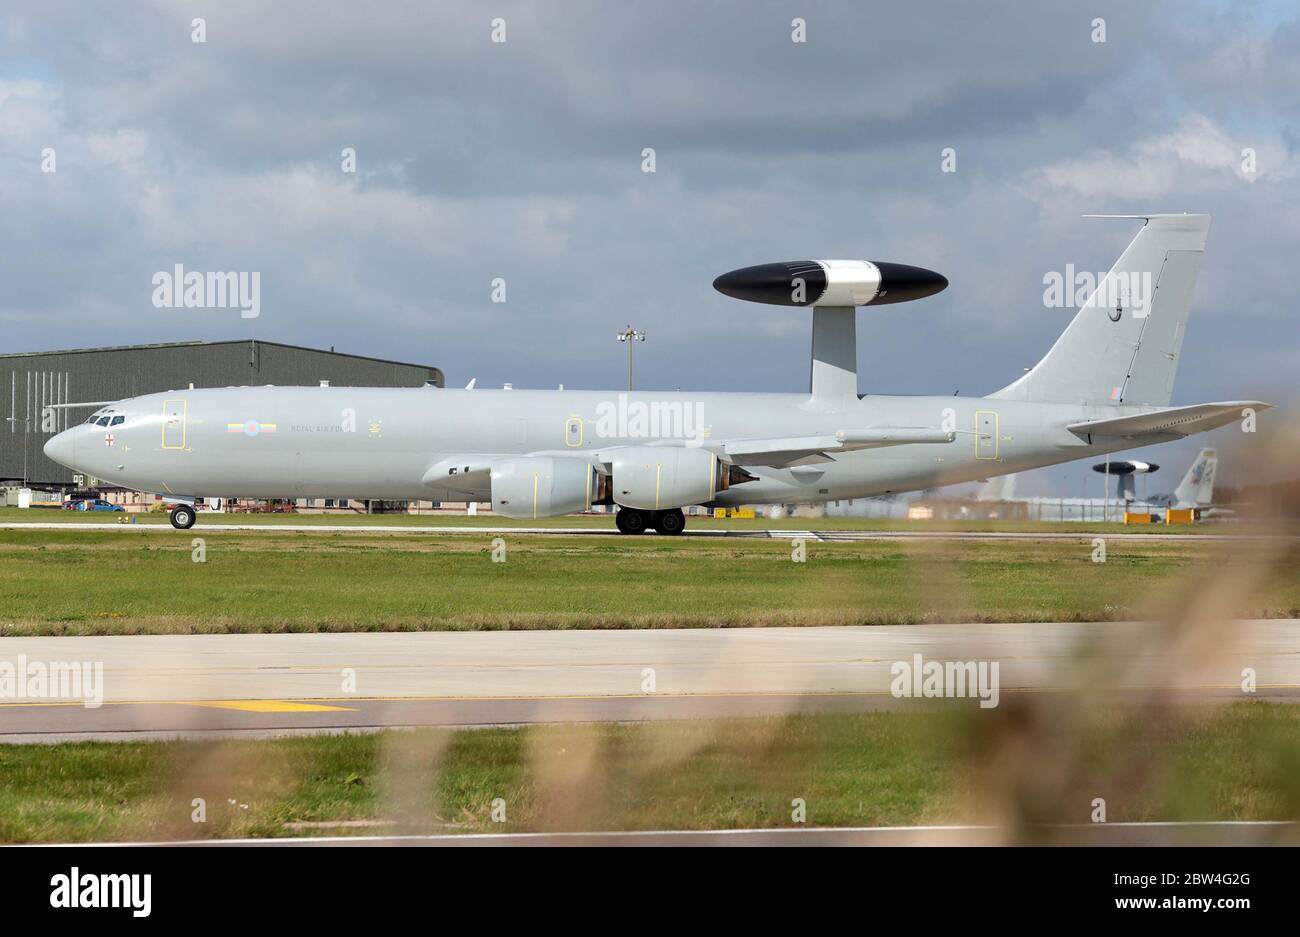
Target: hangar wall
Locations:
point(29, 381)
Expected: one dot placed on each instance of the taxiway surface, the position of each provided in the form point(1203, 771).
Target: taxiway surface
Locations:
point(170, 685)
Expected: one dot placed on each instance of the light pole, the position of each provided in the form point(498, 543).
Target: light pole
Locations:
point(630, 335)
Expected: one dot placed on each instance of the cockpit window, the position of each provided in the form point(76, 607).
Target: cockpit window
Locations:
point(103, 421)
point(117, 421)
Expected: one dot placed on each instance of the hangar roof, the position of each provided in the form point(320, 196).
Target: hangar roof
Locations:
point(237, 341)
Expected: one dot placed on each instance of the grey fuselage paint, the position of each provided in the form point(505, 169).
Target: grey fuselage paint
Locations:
point(378, 443)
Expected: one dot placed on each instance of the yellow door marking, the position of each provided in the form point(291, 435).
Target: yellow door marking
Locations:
point(573, 432)
point(658, 471)
point(979, 437)
point(177, 404)
point(535, 476)
point(269, 706)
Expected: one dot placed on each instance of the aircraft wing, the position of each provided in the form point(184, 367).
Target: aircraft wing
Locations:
point(1171, 421)
point(784, 452)
point(472, 474)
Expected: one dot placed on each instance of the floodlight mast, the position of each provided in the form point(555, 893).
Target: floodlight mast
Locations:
point(628, 336)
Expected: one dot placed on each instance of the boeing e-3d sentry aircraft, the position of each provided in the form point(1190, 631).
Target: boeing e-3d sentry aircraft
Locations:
point(1195, 491)
point(1104, 386)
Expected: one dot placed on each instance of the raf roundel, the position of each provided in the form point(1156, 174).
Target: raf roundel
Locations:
point(250, 427)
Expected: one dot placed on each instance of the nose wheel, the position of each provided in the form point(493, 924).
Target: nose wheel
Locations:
point(182, 517)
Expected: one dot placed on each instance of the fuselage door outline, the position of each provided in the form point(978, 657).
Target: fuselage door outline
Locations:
point(986, 435)
point(175, 423)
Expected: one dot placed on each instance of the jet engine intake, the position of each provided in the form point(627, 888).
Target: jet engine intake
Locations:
point(537, 486)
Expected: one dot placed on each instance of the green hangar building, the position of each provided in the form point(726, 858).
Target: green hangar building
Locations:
point(35, 381)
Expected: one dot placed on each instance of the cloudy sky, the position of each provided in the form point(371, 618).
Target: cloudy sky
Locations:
point(523, 160)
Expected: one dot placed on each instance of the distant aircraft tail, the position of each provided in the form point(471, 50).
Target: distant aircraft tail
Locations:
point(1124, 343)
point(1197, 487)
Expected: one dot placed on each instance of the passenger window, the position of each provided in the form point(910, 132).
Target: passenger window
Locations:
point(117, 420)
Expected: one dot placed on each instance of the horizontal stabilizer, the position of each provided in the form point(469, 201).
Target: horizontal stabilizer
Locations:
point(1171, 421)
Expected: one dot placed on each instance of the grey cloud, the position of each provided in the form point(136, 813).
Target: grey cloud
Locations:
point(522, 161)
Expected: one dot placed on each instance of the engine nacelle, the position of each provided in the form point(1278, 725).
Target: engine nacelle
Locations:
point(536, 486)
point(653, 478)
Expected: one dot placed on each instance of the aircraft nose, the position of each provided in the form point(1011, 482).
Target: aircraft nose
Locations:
point(60, 448)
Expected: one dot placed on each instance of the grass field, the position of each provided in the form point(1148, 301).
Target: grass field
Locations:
point(1230, 763)
point(125, 582)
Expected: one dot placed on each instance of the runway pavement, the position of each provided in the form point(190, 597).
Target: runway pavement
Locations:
point(206, 526)
point(172, 685)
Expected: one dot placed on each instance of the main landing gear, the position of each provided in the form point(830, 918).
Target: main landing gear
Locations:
point(183, 516)
point(632, 521)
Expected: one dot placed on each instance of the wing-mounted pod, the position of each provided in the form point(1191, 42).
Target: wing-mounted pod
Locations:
point(834, 288)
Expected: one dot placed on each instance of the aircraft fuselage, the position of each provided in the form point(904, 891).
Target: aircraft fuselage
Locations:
point(379, 443)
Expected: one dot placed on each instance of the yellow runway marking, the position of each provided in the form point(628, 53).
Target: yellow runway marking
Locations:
point(269, 706)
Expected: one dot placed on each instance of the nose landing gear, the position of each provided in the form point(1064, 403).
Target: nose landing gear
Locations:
point(182, 517)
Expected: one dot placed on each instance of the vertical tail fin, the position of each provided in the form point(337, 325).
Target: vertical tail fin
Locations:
point(1197, 487)
point(1124, 343)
